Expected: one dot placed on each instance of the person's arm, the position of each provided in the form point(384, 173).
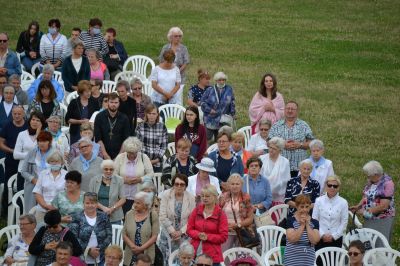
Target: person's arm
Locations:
point(288, 194)
point(279, 105)
point(121, 195)
point(104, 46)
point(157, 88)
point(20, 46)
point(191, 230)
point(155, 229)
point(268, 196)
point(344, 217)
point(40, 200)
point(36, 247)
point(65, 70)
point(4, 147)
point(165, 222)
point(206, 105)
point(28, 176)
point(250, 214)
point(43, 53)
point(294, 235)
point(104, 243)
point(312, 233)
point(76, 247)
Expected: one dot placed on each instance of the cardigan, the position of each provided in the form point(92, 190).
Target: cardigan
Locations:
point(69, 74)
point(171, 168)
point(23, 146)
point(4, 118)
point(53, 50)
point(191, 188)
point(24, 45)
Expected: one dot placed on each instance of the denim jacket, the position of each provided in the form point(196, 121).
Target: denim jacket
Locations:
point(12, 64)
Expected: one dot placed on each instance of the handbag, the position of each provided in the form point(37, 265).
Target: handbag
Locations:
point(248, 238)
point(74, 260)
point(359, 234)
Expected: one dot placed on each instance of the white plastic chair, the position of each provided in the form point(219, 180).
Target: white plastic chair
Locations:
point(147, 88)
point(212, 148)
point(171, 148)
point(129, 76)
point(271, 236)
point(117, 238)
point(10, 231)
point(33, 69)
point(382, 257)
point(25, 85)
point(108, 86)
point(12, 188)
point(279, 212)
point(173, 257)
point(168, 111)
point(16, 212)
point(71, 96)
point(2, 184)
point(26, 76)
point(234, 253)
point(140, 64)
point(247, 134)
point(273, 257)
point(357, 222)
point(157, 183)
point(332, 256)
point(374, 237)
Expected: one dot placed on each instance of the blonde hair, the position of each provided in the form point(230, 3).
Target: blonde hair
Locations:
point(234, 177)
point(210, 189)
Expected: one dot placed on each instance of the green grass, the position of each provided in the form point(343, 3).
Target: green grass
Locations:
point(339, 59)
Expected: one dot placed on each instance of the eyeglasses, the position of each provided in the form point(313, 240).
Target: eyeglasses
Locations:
point(82, 147)
point(112, 258)
point(264, 129)
point(108, 169)
point(355, 254)
point(203, 264)
point(332, 186)
point(137, 89)
point(223, 141)
point(90, 194)
point(24, 224)
point(178, 36)
point(3, 41)
point(179, 184)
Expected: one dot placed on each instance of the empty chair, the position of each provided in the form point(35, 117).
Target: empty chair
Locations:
point(382, 257)
point(17, 208)
point(128, 76)
point(332, 256)
point(117, 236)
point(139, 63)
point(247, 134)
point(274, 256)
point(12, 189)
point(9, 232)
point(375, 238)
point(234, 253)
point(172, 116)
point(147, 88)
point(271, 237)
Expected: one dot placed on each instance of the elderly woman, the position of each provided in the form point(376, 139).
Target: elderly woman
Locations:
point(258, 142)
point(181, 163)
point(197, 182)
point(26, 141)
point(226, 161)
point(301, 235)
point(44, 243)
point(142, 100)
point(331, 211)
point(196, 91)
point(87, 163)
point(176, 206)
point(33, 164)
point(185, 255)
point(303, 184)
point(154, 136)
point(51, 181)
point(238, 208)
point(60, 140)
point(28, 45)
point(98, 70)
point(86, 131)
point(53, 45)
point(110, 191)
point(75, 67)
point(276, 169)
point(114, 255)
point(191, 129)
point(134, 167)
point(93, 228)
point(377, 203)
point(267, 103)
point(17, 249)
point(149, 187)
point(166, 80)
point(80, 109)
point(47, 74)
point(257, 186)
point(63, 254)
point(70, 200)
point(140, 230)
point(208, 225)
point(45, 100)
point(356, 253)
point(237, 147)
point(322, 168)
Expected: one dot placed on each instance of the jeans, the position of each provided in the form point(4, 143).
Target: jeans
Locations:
point(28, 63)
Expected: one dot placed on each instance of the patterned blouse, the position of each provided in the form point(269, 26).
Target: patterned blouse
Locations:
point(65, 206)
point(195, 93)
point(17, 249)
point(245, 207)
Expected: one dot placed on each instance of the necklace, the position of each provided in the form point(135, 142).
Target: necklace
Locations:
point(112, 125)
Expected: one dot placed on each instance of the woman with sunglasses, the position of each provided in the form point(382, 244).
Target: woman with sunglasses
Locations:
point(176, 206)
point(356, 253)
point(331, 211)
point(44, 244)
point(142, 100)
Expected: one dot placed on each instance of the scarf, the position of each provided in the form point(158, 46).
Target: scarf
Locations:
point(316, 165)
point(86, 163)
point(42, 158)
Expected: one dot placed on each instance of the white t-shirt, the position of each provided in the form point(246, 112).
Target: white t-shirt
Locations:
point(92, 241)
point(77, 63)
point(166, 79)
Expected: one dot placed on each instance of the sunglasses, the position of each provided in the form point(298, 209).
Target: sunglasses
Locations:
point(264, 129)
point(203, 264)
point(137, 89)
point(355, 254)
point(3, 41)
point(179, 184)
point(332, 186)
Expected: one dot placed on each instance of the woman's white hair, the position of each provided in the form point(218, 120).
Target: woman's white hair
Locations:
point(55, 156)
point(373, 168)
point(48, 68)
point(132, 144)
point(307, 162)
point(220, 75)
point(316, 143)
point(105, 163)
point(186, 248)
point(278, 142)
point(172, 31)
point(146, 197)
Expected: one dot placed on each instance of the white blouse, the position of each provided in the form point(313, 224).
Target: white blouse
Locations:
point(321, 173)
point(257, 143)
point(166, 79)
point(23, 146)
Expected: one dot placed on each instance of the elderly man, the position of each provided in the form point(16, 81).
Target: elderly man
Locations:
point(20, 96)
point(297, 135)
point(48, 71)
point(93, 38)
point(9, 63)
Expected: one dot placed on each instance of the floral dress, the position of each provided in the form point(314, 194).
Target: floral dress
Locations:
point(138, 239)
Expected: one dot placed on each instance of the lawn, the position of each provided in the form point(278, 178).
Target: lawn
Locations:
point(338, 59)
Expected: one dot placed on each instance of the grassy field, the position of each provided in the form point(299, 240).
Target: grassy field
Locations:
point(338, 59)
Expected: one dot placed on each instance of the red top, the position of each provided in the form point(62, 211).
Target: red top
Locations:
point(198, 138)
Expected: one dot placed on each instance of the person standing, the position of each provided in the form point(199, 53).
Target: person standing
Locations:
point(127, 104)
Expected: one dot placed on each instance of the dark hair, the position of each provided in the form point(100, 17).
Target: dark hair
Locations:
point(182, 177)
point(27, 34)
point(357, 244)
point(55, 21)
point(144, 258)
point(48, 85)
point(169, 56)
point(38, 115)
point(253, 159)
point(76, 29)
point(292, 101)
point(201, 73)
point(185, 123)
point(263, 90)
point(44, 136)
point(74, 176)
point(64, 245)
point(112, 30)
point(95, 22)
point(52, 217)
point(113, 96)
point(123, 83)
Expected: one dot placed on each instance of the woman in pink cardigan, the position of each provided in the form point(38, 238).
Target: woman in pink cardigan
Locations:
point(266, 103)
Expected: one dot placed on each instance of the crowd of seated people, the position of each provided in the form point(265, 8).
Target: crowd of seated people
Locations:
point(112, 166)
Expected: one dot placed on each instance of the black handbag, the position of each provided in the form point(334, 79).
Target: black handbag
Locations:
point(248, 237)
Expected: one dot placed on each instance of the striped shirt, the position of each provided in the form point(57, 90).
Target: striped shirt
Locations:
point(94, 42)
point(53, 49)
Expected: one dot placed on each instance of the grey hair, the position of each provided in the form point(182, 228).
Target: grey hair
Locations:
point(373, 168)
point(77, 43)
point(108, 162)
point(146, 197)
point(307, 162)
point(48, 68)
point(278, 142)
point(204, 256)
point(14, 77)
point(317, 144)
point(8, 87)
point(172, 31)
point(265, 121)
point(86, 140)
point(30, 217)
point(123, 83)
point(220, 75)
point(55, 156)
point(226, 129)
point(186, 248)
point(136, 81)
point(132, 144)
point(148, 184)
point(96, 52)
point(54, 117)
point(18, 106)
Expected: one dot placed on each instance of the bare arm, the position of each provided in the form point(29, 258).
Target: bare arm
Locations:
point(4, 147)
point(294, 235)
